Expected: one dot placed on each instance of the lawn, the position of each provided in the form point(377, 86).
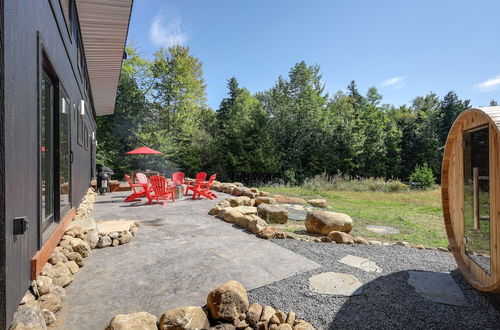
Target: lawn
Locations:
point(417, 214)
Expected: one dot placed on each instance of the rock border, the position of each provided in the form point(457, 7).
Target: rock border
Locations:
point(227, 308)
point(43, 300)
point(227, 211)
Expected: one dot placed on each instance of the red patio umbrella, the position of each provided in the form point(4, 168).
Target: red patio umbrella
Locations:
point(143, 151)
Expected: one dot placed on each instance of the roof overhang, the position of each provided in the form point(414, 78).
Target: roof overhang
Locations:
point(104, 27)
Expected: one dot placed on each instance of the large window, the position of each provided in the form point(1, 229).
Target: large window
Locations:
point(47, 150)
point(67, 9)
point(64, 153)
point(477, 197)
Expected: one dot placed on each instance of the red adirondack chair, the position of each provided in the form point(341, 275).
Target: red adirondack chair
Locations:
point(178, 178)
point(200, 178)
point(137, 193)
point(203, 189)
point(161, 190)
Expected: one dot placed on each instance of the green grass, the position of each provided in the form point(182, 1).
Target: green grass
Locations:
point(417, 214)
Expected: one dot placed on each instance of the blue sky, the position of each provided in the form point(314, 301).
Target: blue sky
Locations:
point(405, 48)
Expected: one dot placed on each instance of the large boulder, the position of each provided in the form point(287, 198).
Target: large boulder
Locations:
point(323, 222)
point(29, 316)
point(289, 200)
point(133, 321)
point(188, 318)
point(59, 273)
point(272, 213)
point(268, 232)
point(264, 200)
point(317, 202)
point(228, 301)
point(340, 237)
point(226, 187)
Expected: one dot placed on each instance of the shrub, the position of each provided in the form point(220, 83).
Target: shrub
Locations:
point(341, 182)
point(424, 176)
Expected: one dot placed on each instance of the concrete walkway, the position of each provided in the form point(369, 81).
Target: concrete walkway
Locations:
point(179, 254)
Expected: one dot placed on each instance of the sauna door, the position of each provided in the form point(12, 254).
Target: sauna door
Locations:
point(477, 197)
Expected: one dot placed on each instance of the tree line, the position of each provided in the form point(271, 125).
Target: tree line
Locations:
point(290, 132)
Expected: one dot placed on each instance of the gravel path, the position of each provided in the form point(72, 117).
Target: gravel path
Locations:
point(387, 301)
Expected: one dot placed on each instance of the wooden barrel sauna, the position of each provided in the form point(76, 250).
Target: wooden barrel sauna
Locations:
point(470, 182)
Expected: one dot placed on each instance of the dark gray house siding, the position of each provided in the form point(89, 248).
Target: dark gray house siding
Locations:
point(2, 172)
point(34, 31)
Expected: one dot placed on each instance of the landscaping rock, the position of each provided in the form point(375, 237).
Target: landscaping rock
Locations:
point(360, 240)
point(29, 316)
point(442, 249)
point(125, 238)
point(43, 284)
point(317, 202)
point(80, 246)
point(253, 314)
point(281, 316)
point(115, 242)
point(228, 301)
point(246, 209)
point(323, 222)
point(267, 313)
point(256, 224)
point(264, 200)
point(133, 321)
point(28, 298)
point(60, 274)
point(189, 318)
point(89, 229)
point(49, 316)
point(114, 235)
point(290, 319)
point(263, 193)
point(340, 237)
point(76, 257)
point(58, 290)
point(51, 302)
point(289, 200)
point(240, 201)
point(215, 210)
point(104, 241)
point(284, 326)
point(375, 242)
point(273, 213)
point(231, 216)
point(405, 244)
point(303, 326)
point(224, 212)
point(57, 256)
point(244, 221)
point(268, 232)
point(72, 266)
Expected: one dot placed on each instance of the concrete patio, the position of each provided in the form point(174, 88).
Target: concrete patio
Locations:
point(179, 254)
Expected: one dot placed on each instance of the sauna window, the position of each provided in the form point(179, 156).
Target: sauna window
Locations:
point(477, 197)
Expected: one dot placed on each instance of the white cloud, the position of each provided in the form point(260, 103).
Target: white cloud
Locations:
point(395, 82)
point(167, 30)
point(488, 85)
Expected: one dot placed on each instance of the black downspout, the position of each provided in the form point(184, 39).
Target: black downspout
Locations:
point(3, 289)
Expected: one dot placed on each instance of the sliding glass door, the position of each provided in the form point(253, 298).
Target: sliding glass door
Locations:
point(55, 149)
